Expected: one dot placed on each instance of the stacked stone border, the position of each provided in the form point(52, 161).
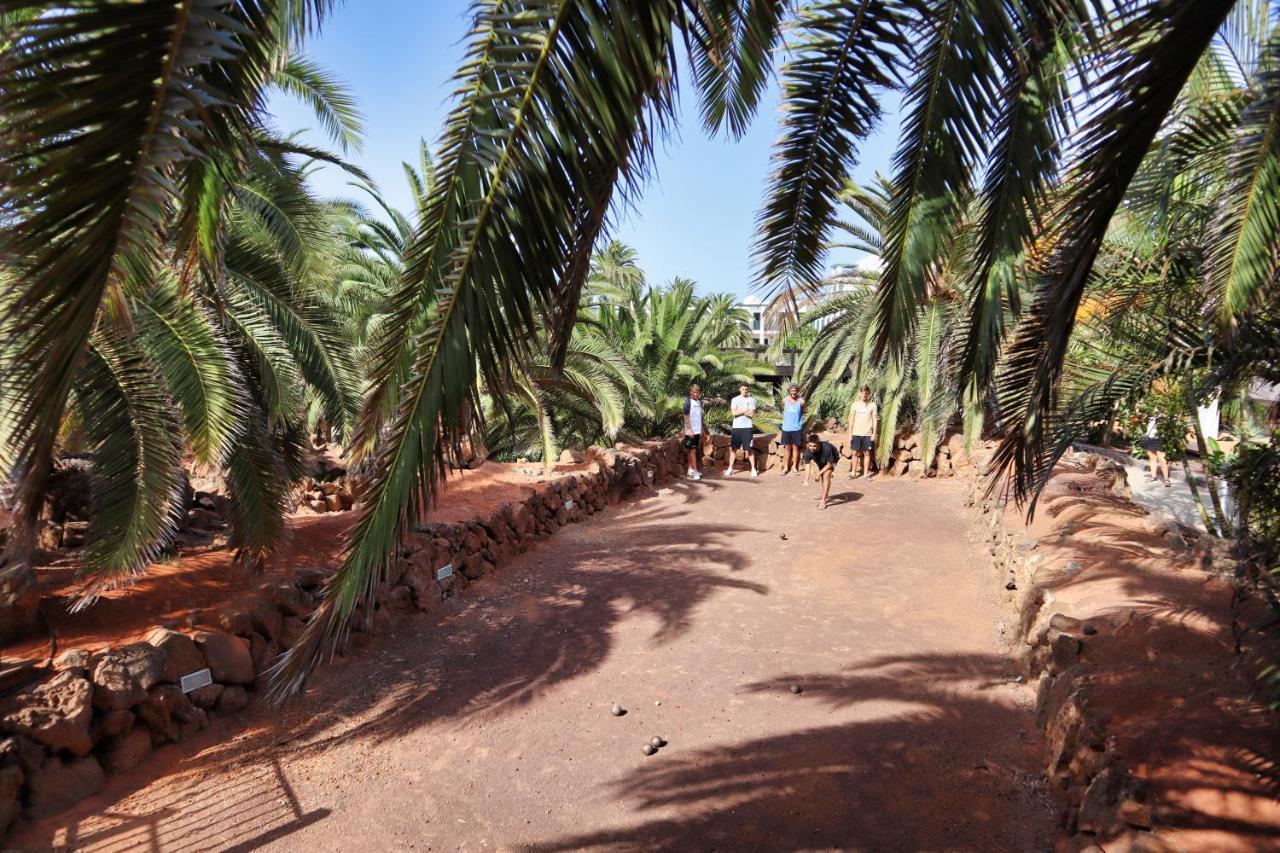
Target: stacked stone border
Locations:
point(1081, 757)
point(104, 712)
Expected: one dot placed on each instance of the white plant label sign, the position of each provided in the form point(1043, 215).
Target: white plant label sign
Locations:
point(196, 680)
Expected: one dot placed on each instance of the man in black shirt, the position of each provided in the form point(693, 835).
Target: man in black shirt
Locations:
point(824, 455)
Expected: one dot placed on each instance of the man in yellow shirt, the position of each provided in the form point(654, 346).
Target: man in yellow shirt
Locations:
point(863, 417)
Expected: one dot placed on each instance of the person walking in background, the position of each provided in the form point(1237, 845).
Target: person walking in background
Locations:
point(792, 429)
point(743, 408)
point(824, 455)
point(864, 415)
point(693, 431)
point(1157, 461)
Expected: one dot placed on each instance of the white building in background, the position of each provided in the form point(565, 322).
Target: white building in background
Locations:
point(763, 332)
point(840, 278)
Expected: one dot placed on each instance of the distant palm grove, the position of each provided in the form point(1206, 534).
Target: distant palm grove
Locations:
point(1080, 225)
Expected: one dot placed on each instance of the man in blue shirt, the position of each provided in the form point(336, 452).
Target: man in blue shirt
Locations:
point(792, 429)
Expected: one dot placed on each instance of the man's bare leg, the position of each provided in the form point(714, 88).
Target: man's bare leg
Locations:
point(826, 477)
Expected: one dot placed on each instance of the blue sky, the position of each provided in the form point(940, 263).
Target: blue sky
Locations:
point(697, 215)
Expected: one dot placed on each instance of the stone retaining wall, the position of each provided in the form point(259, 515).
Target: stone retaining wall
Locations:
point(101, 712)
point(1053, 648)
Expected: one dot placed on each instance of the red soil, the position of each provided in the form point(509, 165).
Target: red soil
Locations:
point(206, 579)
point(1167, 681)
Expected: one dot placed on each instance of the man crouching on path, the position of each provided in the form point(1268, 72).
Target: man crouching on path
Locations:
point(824, 455)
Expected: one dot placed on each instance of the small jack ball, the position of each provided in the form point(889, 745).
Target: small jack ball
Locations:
point(796, 688)
point(617, 711)
point(655, 741)
point(648, 749)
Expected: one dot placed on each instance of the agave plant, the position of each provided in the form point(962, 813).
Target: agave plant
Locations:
point(159, 239)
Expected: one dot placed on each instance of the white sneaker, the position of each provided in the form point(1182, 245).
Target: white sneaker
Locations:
point(728, 472)
point(697, 475)
point(691, 474)
point(754, 473)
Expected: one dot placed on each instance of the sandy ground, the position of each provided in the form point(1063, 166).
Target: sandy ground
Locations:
point(486, 725)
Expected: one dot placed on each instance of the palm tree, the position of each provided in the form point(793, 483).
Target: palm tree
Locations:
point(917, 383)
point(539, 409)
point(155, 233)
point(674, 338)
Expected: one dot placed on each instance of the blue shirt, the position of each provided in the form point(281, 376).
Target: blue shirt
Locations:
point(792, 420)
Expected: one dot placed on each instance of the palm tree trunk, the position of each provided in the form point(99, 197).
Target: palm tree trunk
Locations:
point(1224, 525)
point(1195, 493)
point(19, 596)
point(549, 451)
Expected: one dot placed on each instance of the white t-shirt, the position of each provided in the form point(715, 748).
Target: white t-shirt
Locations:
point(693, 408)
point(741, 402)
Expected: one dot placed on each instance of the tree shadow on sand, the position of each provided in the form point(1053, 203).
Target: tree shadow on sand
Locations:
point(945, 761)
point(544, 619)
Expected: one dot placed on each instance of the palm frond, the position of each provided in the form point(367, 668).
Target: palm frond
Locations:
point(1158, 48)
point(507, 177)
point(843, 56)
point(181, 342)
point(1243, 259)
point(332, 103)
point(137, 468)
point(732, 49)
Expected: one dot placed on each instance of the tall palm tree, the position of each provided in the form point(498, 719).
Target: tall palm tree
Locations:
point(139, 170)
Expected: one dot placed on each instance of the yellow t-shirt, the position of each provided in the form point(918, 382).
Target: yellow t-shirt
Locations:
point(863, 418)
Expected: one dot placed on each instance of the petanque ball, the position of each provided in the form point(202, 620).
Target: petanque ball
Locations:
point(648, 749)
point(655, 741)
point(796, 688)
point(617, 711)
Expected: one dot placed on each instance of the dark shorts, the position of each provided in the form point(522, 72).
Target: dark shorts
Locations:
point(860, 443)
point(742, 437)
point(793, 437)
point(691, 442)
point(1152, 445)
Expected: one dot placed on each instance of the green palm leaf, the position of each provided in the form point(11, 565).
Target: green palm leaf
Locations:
point(137, 469)
point(180, 341)
point(843, 55)
point(1158, 49)
point(1243, 260)
point(505, 182)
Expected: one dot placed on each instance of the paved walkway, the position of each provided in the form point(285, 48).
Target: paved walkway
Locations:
point(487, 725)
point(1175, 502)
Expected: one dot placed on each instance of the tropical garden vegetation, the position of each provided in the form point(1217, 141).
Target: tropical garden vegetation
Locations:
point(1084, 199)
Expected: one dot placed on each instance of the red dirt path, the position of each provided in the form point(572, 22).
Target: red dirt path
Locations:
point(486, 724)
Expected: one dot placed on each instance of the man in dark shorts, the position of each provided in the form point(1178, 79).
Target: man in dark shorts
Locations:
point(824, 455)
point(792, 429)
point(743, 408)
point(693, 431)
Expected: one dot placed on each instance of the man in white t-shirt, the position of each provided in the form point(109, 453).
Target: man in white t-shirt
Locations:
point(743, 408)
point(693, 430)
